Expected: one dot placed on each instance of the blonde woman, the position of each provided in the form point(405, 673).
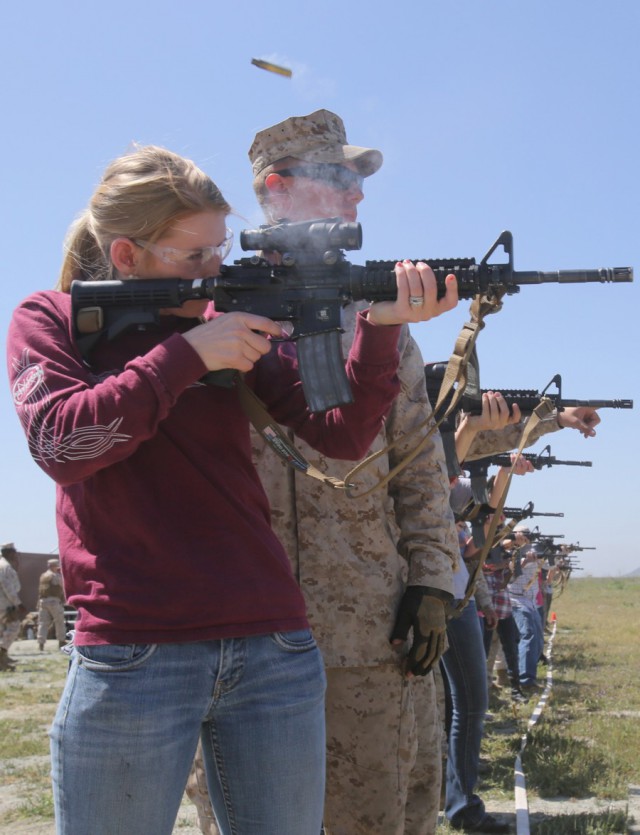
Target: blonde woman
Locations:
point(190, 621)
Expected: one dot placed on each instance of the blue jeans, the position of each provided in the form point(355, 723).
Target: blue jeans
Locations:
point(465, 669)
point(530, 642)
point(126, 730)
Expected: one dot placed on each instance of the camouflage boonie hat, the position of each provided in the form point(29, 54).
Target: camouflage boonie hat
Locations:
point(318, 137)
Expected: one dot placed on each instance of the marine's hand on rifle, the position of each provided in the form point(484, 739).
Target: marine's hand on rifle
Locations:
point(495, 413)
point(423, 610)
point(417, 299)
point(522, 466)
point(582, 418)
point(233, 340)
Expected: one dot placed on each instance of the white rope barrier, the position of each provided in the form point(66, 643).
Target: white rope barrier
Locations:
point(521, 802)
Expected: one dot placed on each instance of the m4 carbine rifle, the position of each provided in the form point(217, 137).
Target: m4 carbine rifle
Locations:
point(481, 511)
point(537, 536)
point(478, 468)
point(526, 399)
point(526, 512)
point(308, 288)
point(538, 460)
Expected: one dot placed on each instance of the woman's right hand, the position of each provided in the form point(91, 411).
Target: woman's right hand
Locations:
point(233, 340)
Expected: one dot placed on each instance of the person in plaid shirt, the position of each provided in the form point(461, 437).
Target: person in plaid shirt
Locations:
point(497, 573)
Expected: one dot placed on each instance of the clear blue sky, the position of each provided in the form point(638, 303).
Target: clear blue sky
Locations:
point(491, 115)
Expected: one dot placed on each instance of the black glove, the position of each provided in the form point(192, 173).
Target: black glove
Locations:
point(422, 609)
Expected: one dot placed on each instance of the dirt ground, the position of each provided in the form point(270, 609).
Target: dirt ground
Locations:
point(43, 674)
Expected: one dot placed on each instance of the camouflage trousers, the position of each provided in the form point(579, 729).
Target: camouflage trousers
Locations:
point(198, 794)
point(50, 610)
point(383, 755)
point(9, 630)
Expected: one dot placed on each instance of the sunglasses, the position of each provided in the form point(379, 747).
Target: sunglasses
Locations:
point(332, 174)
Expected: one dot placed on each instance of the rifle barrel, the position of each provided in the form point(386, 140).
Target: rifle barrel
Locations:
point(602, 275)
point(600, 404)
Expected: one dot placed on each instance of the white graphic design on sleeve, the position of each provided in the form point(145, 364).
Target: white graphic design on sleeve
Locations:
point(31, 396)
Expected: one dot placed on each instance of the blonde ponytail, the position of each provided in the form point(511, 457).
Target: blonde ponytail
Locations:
point(141, 195)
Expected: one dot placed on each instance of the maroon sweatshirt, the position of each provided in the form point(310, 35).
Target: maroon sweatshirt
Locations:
point(163, 525)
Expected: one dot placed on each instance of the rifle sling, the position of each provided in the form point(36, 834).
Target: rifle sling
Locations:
point(456, 372)
point(276, 438)
point(542, 410)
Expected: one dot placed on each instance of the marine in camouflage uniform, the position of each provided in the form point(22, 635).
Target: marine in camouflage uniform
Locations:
point(353, 560)
point(51, 604)
point(11, 608)
point(364, 563)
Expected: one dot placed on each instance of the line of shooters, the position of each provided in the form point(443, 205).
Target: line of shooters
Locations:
point(269, 635)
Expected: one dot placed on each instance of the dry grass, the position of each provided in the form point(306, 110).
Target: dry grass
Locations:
point(586, 742)
point(585, 745)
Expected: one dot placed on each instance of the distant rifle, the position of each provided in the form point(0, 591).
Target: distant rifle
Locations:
point(538, 460)
point(556, 553)
point(566, 562)
point(308, 288)
point(478, 468)
point(525, 512)
point(480, 513)
point(526, 399)
point(544, 546)
point(537, 536)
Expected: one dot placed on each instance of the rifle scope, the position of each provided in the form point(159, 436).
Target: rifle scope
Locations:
point(315, 236)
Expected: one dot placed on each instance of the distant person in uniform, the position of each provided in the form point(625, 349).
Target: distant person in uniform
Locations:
point(51, 604)
point(11, 608)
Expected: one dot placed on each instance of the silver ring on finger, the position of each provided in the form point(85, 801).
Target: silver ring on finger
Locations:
point(416, 301)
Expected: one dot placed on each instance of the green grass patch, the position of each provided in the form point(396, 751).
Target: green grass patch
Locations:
point(26, 738)
point(567, 766)
point(607, 823)
point(38, 804)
